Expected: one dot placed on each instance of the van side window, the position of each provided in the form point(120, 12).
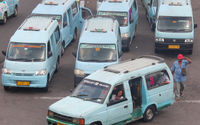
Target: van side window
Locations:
point(157, 79)
point(74, 8)
point(155, 3)
point(117, 93)
point(57, 34)
point(49, 52)
point(65, 20)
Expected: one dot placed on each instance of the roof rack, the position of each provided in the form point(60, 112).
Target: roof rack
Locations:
point(134, 64)
point(97, 29)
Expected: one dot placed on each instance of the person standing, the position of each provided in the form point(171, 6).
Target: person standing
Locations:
point(179, 72)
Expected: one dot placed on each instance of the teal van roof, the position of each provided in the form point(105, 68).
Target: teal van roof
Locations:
point(58, 7)
point(118, 72)
point(35, 29)
point(116, 6)
point(178, 7)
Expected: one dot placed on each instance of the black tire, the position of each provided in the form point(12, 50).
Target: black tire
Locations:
point(15, 11)
point(156, 50)
point(96, 123)
point(152, 26)
point(57, 65)
point(6, 88)
point(75, 36)
point(149, 114)
point(4, 19)
point(63, 48)
point(46, 89)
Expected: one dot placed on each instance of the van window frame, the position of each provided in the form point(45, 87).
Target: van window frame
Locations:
point(74, 6)
point(156, 85)
point(49, 50)
point(114, 102)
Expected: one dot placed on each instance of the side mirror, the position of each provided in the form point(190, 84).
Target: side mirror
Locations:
point(49, 54)
point(74, 54)
point(3, 52)
point(195, 25)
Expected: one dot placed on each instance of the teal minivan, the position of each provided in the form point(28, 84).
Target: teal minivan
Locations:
point(32, 60)
point(175, 28)
point(126, 12)
point(8, 8)
point(68, 15)
point(117, 95)
point(99, 46)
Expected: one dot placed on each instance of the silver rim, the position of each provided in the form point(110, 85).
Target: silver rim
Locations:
point(16, 12)
point(4, 19)
point(149, 114)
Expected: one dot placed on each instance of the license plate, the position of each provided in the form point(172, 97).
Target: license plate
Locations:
point(58, 123)
point(174, 47)
point(23, 83)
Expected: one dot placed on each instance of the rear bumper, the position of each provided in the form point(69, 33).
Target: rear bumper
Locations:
point(165, 46)
point(35, 81)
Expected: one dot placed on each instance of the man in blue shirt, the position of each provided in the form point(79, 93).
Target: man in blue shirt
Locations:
point(177, 72)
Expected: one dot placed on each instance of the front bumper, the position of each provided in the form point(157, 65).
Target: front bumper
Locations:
point(165, 46)
point(126, 42)
point(35, 81)
point(51, 121)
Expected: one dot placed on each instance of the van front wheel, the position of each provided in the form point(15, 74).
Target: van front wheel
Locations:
point(149, 114)
point(6, 88)
point(15, 12)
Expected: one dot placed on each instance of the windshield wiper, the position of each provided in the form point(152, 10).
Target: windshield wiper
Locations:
point(79, 95)
point(23, 59)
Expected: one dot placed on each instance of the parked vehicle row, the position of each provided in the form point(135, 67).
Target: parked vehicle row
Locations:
point(32, 60)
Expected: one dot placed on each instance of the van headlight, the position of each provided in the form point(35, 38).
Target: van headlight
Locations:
point(41, 72)
point(6, 71)
point(188, 40)
point(159, 39)
point(50, 114)
point(124, 35)
point(78, 72)
point(79, 121)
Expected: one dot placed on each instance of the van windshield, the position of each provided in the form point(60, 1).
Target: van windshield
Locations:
point(90, 90)
point(26, 52)
point(57, 17)
point(97, 52)
point(175, 24)
point(122, 17)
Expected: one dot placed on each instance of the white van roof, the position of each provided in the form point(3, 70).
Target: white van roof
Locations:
point(100, 24)
point(36, 23)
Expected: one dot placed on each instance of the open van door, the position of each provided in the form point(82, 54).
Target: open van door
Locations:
point(84, 14)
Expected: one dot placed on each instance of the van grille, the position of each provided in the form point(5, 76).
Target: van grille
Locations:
point(23, 74)
point(174, 40)
point(62, 118)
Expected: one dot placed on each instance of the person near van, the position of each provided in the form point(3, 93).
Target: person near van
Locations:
point(178, 68)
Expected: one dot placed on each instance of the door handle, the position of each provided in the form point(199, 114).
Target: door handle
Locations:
point(126, 106)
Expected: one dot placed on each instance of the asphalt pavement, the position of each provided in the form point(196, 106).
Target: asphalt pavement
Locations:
point(29, 106)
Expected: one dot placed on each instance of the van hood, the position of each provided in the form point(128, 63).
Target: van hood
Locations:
point(90, 67)
point(176, 35)
point(74, 107)
point(25, 67)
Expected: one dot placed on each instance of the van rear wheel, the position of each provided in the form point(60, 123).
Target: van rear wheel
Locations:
point(75, 36)
point(15, 12)
point(63, 48)
point(149, 114)
point(4, 19)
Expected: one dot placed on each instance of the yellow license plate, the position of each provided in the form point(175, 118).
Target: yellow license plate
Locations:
point(58, 123)
point(174, 47)
point(23, 83)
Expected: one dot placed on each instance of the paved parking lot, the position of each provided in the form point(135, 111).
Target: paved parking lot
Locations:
point(29, 106)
